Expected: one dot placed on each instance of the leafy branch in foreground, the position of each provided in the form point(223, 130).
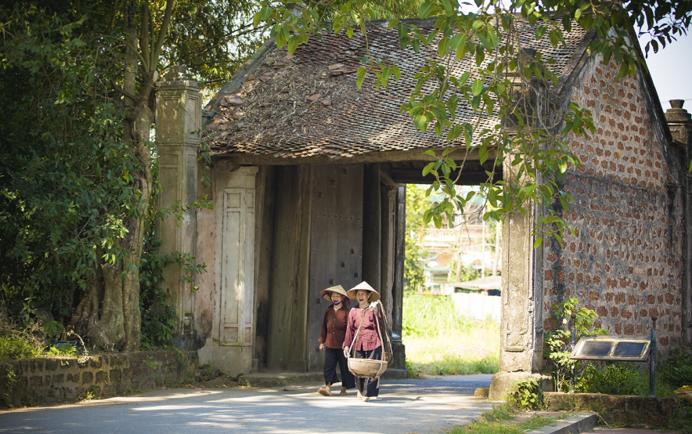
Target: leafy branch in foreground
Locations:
point(528, 141)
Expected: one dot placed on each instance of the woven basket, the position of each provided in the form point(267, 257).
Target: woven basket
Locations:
point(367, 367)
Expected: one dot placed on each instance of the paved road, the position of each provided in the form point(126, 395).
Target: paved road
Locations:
point(405, 406)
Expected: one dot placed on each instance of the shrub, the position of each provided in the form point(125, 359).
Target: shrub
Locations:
point(677, 369)
point(526, 395)
point(612, 378)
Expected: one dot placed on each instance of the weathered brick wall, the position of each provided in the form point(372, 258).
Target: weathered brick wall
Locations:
point(624, 261)
point(35, 381)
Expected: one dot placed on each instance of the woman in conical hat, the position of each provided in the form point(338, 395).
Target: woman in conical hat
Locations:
point(332, 340)
point(369, 345)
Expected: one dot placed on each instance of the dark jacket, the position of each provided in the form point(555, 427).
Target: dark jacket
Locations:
point(334, 327)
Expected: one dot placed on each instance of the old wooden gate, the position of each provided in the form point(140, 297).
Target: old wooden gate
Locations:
point(335, 242)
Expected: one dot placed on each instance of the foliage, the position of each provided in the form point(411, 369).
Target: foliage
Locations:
point(468, 273)
point(532, 146)
point(681, 422)
point(500, 420)
point(526, 395)
point(64, 184)
point(558, 342)
point(428, 316)
point(676, 370)
point(77, 80)
point(612, 379)
point(414, 254)
point(440, 342)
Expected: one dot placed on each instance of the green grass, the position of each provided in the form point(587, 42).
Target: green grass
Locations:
point(440, 342)
point(499, 421)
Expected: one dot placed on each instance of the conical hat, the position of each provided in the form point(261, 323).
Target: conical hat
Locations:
point(326, 293)
point(363, 286)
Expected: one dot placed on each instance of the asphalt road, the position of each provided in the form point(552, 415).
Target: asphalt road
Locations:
point(404, 406)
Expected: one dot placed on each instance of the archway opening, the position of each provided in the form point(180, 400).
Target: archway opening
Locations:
point(452, 285)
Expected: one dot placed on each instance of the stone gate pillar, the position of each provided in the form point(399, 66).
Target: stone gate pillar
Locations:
point(178, 123)
point(521, 333)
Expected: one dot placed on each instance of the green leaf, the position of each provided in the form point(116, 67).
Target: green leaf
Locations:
point(442, 48)
point(540, 31)
point(415, 43)
point(292, 45)
point(477, 87)
point(361, 76)
point(426, 9)
point(349, 31)
point(538, 242)
point(403, 36)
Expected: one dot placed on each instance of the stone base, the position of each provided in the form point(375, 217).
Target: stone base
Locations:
point(503, 382)
point(635, 411)
point(399, 350)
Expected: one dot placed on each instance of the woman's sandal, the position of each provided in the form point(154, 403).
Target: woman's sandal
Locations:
point(359, 395)
point(324, 392)
point(343, 391)
point(365, 398)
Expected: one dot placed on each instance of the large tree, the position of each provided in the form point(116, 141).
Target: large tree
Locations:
point(78, 171)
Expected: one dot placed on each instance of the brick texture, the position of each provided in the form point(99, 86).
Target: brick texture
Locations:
point(624, 260)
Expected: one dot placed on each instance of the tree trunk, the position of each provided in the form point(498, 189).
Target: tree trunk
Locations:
point(109, 314)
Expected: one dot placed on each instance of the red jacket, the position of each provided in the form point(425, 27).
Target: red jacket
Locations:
point(334, 327)
point(368, 339)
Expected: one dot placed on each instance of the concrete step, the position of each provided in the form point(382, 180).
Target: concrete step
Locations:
point(574, 424)
point(278, 379)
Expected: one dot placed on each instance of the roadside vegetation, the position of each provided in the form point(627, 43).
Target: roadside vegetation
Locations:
point(441, 342)
point(501, 420)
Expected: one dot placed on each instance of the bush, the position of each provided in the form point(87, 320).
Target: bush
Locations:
point(677, 369)
point(613, 379)
point(526, 395)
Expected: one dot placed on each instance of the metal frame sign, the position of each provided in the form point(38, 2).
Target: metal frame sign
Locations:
point(611, 348)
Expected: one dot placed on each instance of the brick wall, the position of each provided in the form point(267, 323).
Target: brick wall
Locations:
point(624, 261)
point(35, 381)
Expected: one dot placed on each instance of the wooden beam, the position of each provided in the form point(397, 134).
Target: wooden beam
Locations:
point(387, 180)
point(468, 177)
point(369, 157)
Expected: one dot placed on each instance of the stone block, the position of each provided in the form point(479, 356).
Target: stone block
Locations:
point(52, 364)
point(87, 377)
point(36, 381)
point(101, 377)
point(115, 375)
point(96, 363)
point(58, 378)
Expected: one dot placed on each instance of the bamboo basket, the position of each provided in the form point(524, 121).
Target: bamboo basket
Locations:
point(371, 368)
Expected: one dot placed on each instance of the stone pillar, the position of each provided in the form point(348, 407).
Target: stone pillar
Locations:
point(521, 335)
point(680, 124)
point(178, 123)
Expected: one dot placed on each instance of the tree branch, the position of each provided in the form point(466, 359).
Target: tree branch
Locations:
point(163, 32)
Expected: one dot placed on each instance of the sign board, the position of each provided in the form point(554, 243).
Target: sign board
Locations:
point(611, 348)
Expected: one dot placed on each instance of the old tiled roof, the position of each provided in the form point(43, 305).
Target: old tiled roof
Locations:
point(308, 105)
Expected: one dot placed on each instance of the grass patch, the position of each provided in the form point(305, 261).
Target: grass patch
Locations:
point(499, 420)
point(440, 342)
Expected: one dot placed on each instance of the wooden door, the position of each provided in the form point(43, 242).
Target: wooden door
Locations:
point(336, 240)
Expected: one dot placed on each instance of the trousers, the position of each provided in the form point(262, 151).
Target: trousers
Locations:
point(367, 386)
point(332, 358)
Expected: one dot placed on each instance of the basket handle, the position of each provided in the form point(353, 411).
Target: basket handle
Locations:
point(354, 344)
point(386, 327)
